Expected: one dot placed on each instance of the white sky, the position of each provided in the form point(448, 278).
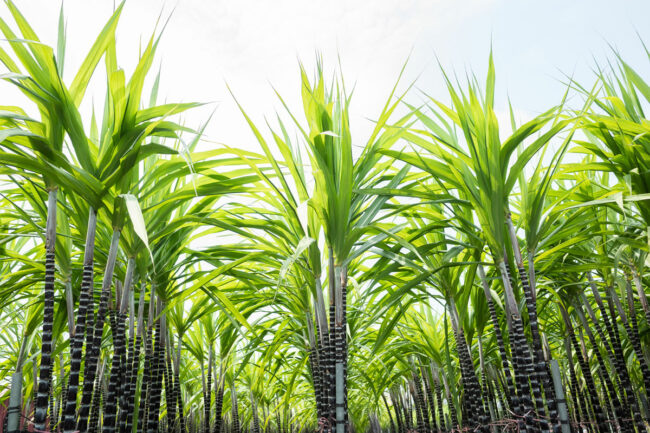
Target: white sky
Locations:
point(254, 45)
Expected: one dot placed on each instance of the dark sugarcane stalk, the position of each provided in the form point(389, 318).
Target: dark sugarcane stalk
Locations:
point(76, 349)
point(207, 396)
point(430, 399)
point(468, 375)
point(93, 422)
point(436, 388)
point(45, 367)
point(157, 363)
point(634, 327)
point(628, 324)
point(606, 404)
point(617, 408)
point(486, 393)
point(201, 428)
point(135, 360)
point(468, 405)
point(92, 351)
point(84, 406)
point(117, 380)
point(419, 413)
point(585, 415)
point(401, 427)
point(612, 329)
point(56, 419)
point(636, 341)
point(586, 372)
point(421, 398)
point(110, 406)
point(620, 363)
point(325, 357)
point(520, 354)
point(534, 360)
point(344, 321)
point(331, 382)
point(170, 387)
point(126, 406)
point(601, 306)
point(255, 427)
point(148, 372)
point(116, 377)
point(573, 382)
point(52, 420)
point(400, 409)
point(596, 325)
point(145, 387)
point(190, 422)
point(278, 422)
point(609, 354)
point(629, 398)
point(219, 383)
point(497, 332)
point(524, 360)
point(614, 301)
point(323, 350)
point(160, 360)
point(408, 409)
point(177, 389)
point(540, 380)
point(98, 395)
point(126, 308)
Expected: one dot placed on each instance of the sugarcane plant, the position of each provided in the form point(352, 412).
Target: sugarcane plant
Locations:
point(451, 271)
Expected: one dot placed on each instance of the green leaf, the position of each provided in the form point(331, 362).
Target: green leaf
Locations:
point(137, 220)
point(104, 39)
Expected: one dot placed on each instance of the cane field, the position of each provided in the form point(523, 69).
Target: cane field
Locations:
point(451, 269)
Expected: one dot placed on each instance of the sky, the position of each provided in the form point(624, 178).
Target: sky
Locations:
point(255, 47)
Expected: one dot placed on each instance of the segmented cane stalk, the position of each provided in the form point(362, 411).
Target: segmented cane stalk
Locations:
point(45, 367)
